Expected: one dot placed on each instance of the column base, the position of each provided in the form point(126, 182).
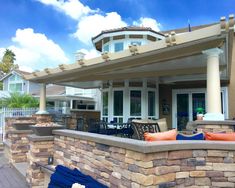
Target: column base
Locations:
point(214, 117)
point(41, 112)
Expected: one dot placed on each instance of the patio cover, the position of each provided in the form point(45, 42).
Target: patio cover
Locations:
point(176, 55)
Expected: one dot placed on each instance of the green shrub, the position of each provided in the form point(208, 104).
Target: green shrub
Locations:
point(18, 100)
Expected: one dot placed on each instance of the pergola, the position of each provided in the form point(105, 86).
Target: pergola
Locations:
point(206, 52)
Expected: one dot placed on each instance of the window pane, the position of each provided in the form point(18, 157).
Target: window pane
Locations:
point(135, 103)
point(15, 87)
point(118, 47)
point(18, 87)
point(138, 43)
point(106, 48)
point(182, 111)
point(198, 102)
point(151, 103)
point(118, 103)
point(105, 103)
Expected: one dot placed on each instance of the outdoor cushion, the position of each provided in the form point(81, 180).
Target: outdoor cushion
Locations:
point(64, 177)
point(167, 135)
point(162, 124)
point(220, 136)
point(197, 136)
point(141, 127)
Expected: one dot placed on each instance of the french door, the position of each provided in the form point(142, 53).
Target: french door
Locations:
point(185, 103)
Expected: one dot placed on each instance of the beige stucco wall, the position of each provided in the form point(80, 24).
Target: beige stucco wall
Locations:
point(231, 86)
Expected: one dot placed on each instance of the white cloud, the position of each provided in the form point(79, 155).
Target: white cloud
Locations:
point(35, 50)
point(73, 8)
point(148, 22)
point(2, 50)
point(91, 25)
point(92, 53)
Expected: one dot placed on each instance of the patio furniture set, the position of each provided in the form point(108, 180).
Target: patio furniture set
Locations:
point(132, 128)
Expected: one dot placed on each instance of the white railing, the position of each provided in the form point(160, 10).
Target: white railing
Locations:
point(13, 112)
point(25, 112)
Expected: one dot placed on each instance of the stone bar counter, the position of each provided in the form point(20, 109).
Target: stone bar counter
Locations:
point(81, 115)
point(123, 162)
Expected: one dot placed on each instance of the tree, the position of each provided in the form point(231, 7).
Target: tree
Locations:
point(18, 100)
point(7, 63)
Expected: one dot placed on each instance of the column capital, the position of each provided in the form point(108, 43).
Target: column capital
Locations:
point(213, 52)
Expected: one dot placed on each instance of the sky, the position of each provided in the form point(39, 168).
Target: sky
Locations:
point(46, 33)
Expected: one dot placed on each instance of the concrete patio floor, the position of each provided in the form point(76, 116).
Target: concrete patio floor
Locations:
point(9, 177)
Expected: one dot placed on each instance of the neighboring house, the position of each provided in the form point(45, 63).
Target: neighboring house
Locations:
point(14, 82)
point(57, 96)
point(147, 74)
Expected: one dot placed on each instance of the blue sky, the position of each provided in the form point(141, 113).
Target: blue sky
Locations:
point(45, 33)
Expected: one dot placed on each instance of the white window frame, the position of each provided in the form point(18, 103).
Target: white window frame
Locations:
point(20, 81)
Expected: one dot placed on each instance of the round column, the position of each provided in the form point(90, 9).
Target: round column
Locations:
point(42, 105)
point(214, 111)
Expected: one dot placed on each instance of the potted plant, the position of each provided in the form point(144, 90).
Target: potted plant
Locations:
point(200, 113)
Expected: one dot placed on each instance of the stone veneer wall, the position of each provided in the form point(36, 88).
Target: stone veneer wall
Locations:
point(17, 143)
point(120, 162)
point(41, 147)
point(212, 126)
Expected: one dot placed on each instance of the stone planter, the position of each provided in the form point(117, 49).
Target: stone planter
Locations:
point(45, 130)
point(22, 126)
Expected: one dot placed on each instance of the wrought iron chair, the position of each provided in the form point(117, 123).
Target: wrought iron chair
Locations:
point(104, 129)
point(140, 127)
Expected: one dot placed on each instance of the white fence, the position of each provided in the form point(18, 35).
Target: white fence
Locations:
point(24, 112)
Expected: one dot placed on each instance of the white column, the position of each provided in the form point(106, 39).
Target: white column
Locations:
point(157, 99)
point(110, 102)
point(144, 100)
point(42, 105)
point(213, 85)
point(126, 101)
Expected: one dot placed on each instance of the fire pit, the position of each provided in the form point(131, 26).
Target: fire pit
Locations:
point(45, 129)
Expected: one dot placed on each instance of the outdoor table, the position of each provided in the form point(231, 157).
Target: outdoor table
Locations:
point(117, 125)
point(121, 128)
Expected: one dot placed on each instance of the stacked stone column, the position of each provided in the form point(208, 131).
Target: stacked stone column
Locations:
point(41, 147)
point(16, 141)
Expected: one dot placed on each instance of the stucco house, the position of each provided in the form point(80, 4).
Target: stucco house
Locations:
point(147, 74)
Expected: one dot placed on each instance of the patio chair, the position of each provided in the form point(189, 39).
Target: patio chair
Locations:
point(104, 129)
point(127, 129)
point(140, 127)
point(93, 126)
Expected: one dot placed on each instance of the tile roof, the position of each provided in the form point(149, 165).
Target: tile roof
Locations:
point(128, 28)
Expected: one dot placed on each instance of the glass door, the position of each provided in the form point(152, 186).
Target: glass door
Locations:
point(185, 104)
point(198, 101)
point(182, 110)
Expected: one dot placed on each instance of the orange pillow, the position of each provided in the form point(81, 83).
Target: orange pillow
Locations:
point(220, 136)
point(167, 135)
